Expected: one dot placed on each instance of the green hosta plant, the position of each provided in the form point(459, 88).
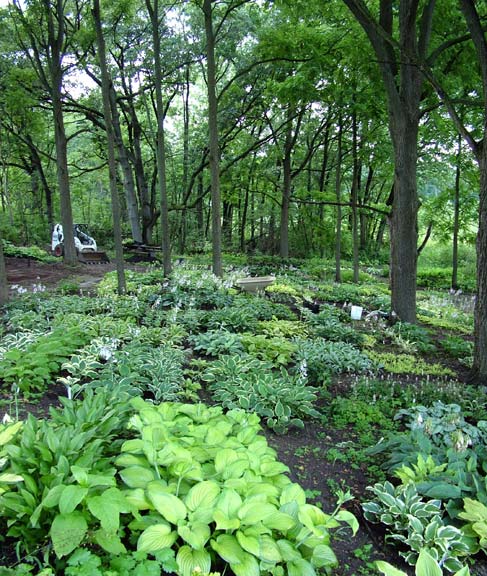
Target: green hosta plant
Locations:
point(282, 400)
point(426, 565)
point(65, 463)
point(475, 515)
point(32, 368)
point(323, 358)
point(217, 342)
point(277, 350)
point(208, 485)
point(283, 328)
point(417, 524)
point(8, 431)
point(445, 424)
point(407, 364)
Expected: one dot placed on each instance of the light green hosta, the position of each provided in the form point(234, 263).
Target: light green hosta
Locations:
point(208, 483)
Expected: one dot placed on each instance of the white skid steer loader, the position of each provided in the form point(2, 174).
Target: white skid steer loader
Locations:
point(86, 247)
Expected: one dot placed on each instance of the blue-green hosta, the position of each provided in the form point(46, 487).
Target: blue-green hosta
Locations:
point(209, 485)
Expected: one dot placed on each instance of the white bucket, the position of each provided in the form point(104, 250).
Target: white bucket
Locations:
point(356, 312)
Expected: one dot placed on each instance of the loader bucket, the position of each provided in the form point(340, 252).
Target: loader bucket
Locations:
point(98, 257)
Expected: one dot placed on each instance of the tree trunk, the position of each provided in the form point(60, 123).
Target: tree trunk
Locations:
point(56, 40)
point(161, 147)
point(3, 276)
point(338, 186)
point(286, 186)
point(112, 167)
point(404, 230)
point(403, 84)
point(456, 219)
point(128, 177)
point(214, 156)
point(354, 198)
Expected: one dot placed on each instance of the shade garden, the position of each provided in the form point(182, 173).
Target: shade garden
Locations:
point(203, 430)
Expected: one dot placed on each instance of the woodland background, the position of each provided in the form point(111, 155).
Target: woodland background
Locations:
point(339, 129)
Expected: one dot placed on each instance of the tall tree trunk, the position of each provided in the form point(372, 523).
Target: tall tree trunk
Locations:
point(354, 198)
point(56, 41)
point(403, 82)
point(112, 167)
point(3, 275)
point(227, 224)
point(161, 147)
point(128, 176)
point(214, 156)
point(286, 186)
point(456, 218)
point(338, 192)
point(184, 183)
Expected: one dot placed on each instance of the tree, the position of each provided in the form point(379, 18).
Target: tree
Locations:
point(403, 81)
point(105, 85)
point(214, 151)
point(46, 51)
point(153, 10)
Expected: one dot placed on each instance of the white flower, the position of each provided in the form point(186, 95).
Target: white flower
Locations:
point(6, 419)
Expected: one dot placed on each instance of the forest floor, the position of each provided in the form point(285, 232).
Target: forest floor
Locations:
point(313, 455)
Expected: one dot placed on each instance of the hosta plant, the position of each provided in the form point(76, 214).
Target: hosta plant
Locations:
point(445, 424)
point(425, 566)
point(282, 400)
point(324, 358)
point(217, 342)
point(417, 524)
point(35, 366)
point(208, 485)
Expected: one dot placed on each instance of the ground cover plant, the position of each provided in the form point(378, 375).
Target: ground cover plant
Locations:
point(125, 465)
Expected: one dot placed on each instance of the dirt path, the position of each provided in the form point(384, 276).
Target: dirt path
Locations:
point(31, 275)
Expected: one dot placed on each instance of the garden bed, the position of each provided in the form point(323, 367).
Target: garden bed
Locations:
point(199, 339)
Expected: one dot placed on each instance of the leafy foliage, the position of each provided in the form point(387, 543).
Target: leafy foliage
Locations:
point(417, 524)
point(35, 366)
point(243, 382)
point(323, 358)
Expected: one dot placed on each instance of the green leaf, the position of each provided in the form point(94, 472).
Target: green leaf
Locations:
point(223, 522)
point(168, 505)
point(293, 493)
point(300, 568)
point(249, 543)
point(273, 468)
point(349, 518)
point(7, 478)
point(195, 534)
point(228, 548)
point(110, 542)
point(427, 565)
point(269, 551)
point(70, 497)
point(137, 476)
point(247, 567)
point(188, 560)
point(388, 569)
point(255, 511)
point(203, 493)
point(67, 532)
point(280, 521)
point(155, 538)
point(323, 557)
point(107, 507)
